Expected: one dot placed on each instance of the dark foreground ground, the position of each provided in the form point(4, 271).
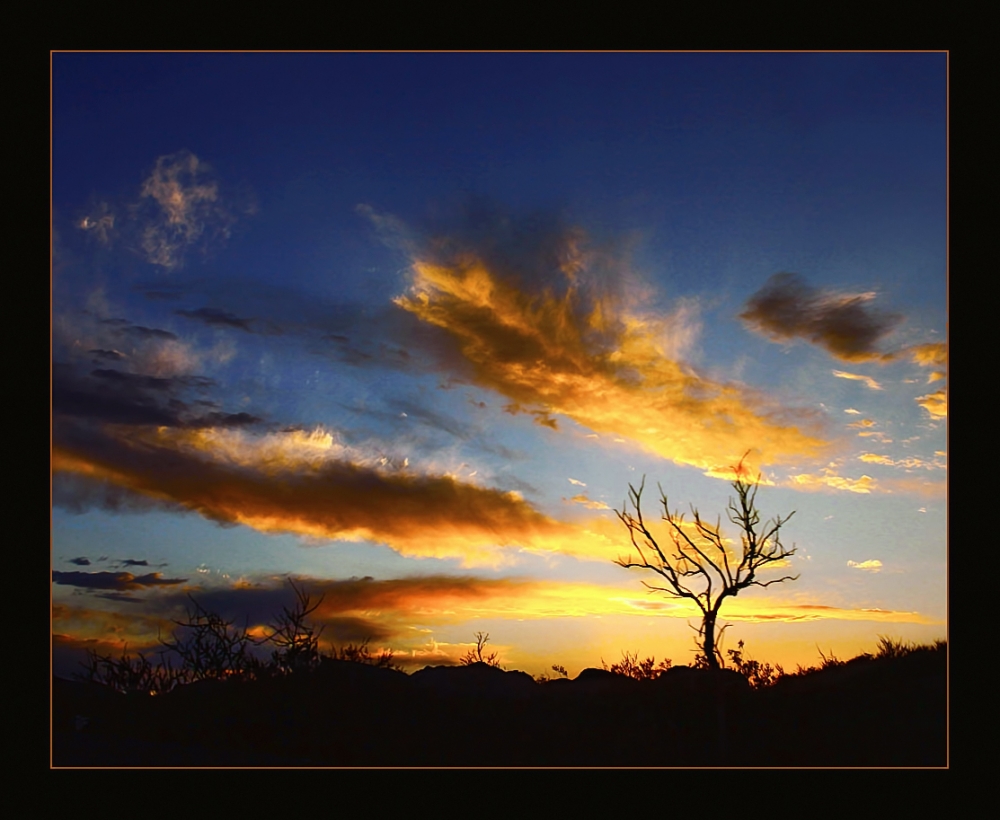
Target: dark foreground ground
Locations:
point(887, 712)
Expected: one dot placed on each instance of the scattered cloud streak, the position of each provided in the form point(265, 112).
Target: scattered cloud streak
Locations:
point(844, 325)
point(868, 380)
point(119, 581)
point(217, 318)
point(934, 355)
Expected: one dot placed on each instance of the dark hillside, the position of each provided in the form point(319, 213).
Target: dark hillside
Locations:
point(866, 712)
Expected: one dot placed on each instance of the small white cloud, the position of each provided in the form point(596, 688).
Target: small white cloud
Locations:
point(578, 483)
point(872, 565)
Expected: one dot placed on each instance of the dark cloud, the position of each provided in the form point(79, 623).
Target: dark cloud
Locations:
point(844, 325)
point(225, 420)
point(141, 332)
point(214, 316)
point(133, 381)
point(340, 601)
point(120, 597)
point(119, 581)
point(161, 295)
point(111, 355)
point(119, 397)
point(78, 494)
point(80, 562)
point(134, 562)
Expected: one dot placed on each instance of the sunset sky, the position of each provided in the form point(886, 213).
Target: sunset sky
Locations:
point(405, 327)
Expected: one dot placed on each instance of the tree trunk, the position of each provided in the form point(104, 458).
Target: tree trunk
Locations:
point(708, 640)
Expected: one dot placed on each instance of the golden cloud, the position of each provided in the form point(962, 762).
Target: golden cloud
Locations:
point(614, 371)
point(935, 403)
point(807, 481)
point(308, 484)
point(930, 355)
point(872, 458)
point(933, 355)
point(590, 504)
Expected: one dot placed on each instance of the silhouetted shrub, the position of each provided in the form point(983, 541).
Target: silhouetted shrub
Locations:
point(476, 655)
point(128, 674)
point(760, 675)
point(631, 667)
point(295, 639)
point(213, 647)
point(360, 653)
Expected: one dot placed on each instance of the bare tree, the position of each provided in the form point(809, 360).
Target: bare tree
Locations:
point(700, 566)
point(477, 656)
point(296, 639)
point(213, 647)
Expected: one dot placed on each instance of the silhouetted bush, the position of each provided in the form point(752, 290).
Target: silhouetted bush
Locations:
point(476, 655)
point(128, 674)
point(211, 647)
point(295, 639)
point(759, 674)
point(360, 653)
point(631, 667)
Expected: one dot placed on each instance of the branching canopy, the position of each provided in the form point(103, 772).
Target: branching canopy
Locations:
point(700, 566)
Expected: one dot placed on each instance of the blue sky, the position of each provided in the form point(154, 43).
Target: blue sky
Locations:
point(406, 326)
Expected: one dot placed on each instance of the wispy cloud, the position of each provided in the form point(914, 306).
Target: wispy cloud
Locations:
point(868, 380)
point(180, 206)
point(842, 324)
point(570, 345)
point(590, 504)
point(830, 479)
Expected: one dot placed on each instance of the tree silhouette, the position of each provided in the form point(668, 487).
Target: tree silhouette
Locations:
point(701, 567)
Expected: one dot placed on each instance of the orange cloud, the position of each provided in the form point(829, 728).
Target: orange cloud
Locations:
point(590, 504)
point(873, 458)
point(308, 484)
point(930, 355)
point(933, 355)
point(935, 403)
point(807, 481)
point(585, 357)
